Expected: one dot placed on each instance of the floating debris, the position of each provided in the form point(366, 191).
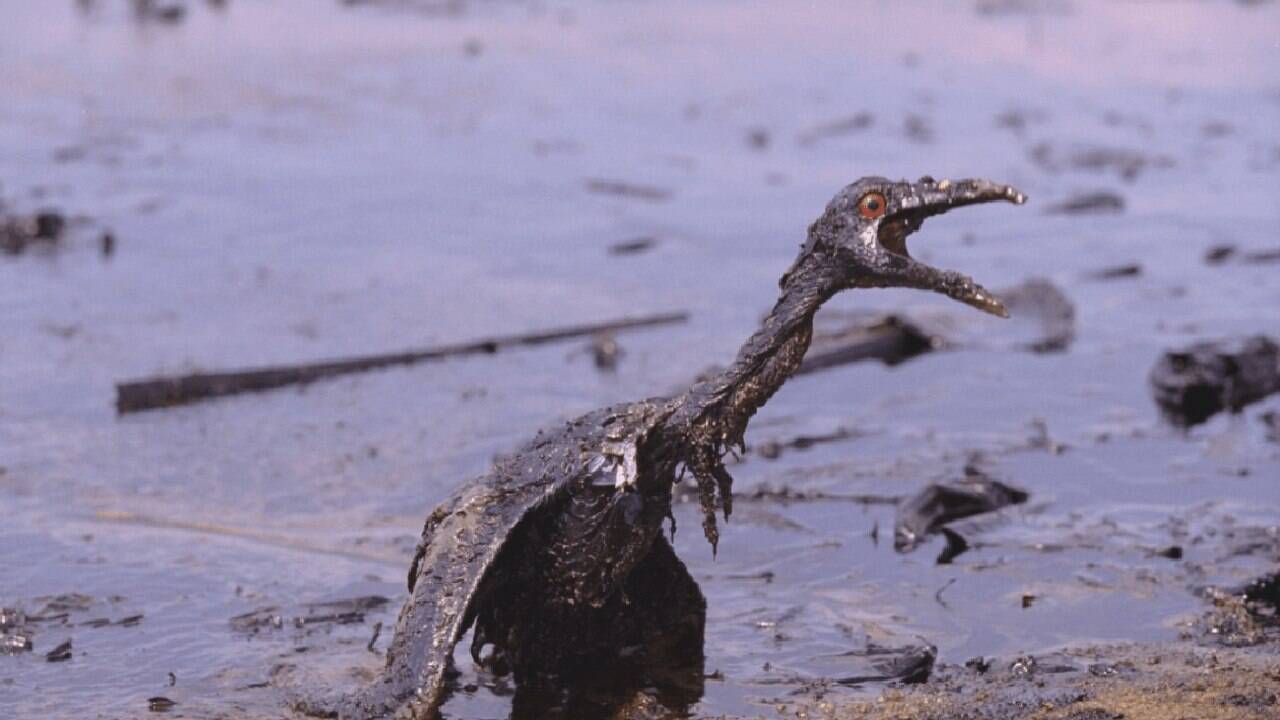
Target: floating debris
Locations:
point(853, 124)
point(917, 129)
point(1094, 203)
point(267, 618)
point(773, 449)
point(107, 244)
point(18, 233)
point(633, 247)
point(338, 612)
point(909, 665)
point(1116, 272)
point(890, 339)
point(1194, 384)
point(786, 494)
point(1128, 164)
point(628, 190)
point(161, 392)
point(758, 138)
point(1041, 300)
point(160, 703)
point(60, 653)
point(1219, 254)
point(59, 605)
point(955, 547)
point(941, 503)
point(1017, 121)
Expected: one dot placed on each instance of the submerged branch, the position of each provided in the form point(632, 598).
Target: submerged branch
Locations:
point(168, 391)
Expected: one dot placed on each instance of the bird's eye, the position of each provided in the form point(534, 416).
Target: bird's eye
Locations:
point(872, 205)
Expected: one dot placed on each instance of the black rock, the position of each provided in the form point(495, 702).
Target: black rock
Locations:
point(60, 653)
point(1194, 384)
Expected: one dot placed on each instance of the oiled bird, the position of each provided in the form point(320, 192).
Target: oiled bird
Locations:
point(557, 555)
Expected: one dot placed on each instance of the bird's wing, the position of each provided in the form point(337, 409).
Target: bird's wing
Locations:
point(462, 539)
point(460, 542)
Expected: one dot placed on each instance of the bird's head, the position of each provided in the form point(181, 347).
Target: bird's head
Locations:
point(863, 234)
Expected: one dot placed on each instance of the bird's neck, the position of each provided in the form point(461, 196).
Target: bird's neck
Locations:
point(724, 403)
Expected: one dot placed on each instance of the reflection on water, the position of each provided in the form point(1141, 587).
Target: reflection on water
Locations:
point(289, 181)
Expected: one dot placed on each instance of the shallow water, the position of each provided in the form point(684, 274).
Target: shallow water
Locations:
point(295, 180)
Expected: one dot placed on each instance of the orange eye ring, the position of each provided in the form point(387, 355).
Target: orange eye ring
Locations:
point(872, 205)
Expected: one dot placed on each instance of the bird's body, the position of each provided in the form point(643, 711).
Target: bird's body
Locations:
point(534, 554)
point(557, 555)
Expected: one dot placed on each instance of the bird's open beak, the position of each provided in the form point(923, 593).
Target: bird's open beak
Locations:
point(925, 199)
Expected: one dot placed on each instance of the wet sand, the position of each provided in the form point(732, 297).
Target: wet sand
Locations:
point(291, 181)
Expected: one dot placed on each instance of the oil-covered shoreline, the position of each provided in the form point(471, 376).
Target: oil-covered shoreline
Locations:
point(271, 184)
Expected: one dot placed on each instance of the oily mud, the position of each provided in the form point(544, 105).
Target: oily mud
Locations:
point(289, 181)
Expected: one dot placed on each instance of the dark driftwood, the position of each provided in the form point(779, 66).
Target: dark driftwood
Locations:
point(160, 392)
